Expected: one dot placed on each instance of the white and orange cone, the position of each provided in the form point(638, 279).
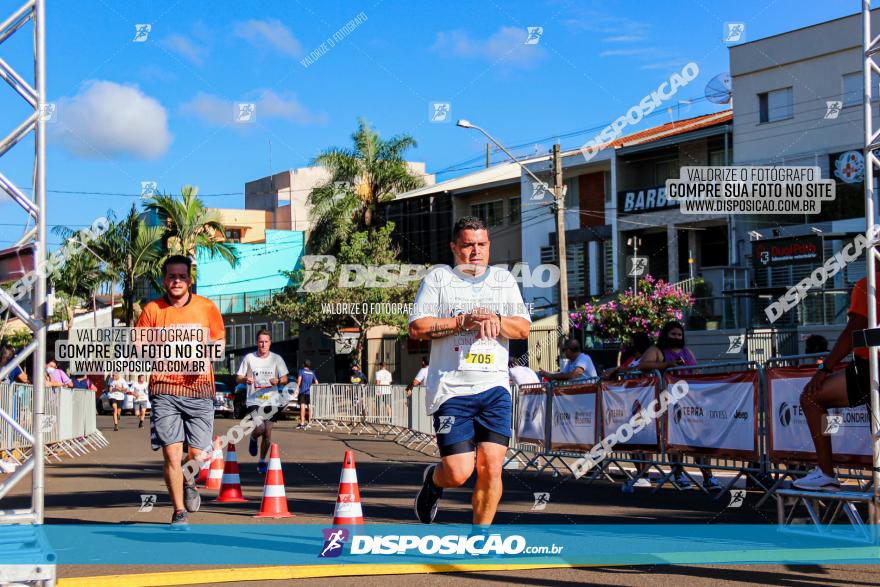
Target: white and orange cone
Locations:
point(348, 502)
point(205, 469)
point(274, 495)
point(230, 490)
point(215, 472)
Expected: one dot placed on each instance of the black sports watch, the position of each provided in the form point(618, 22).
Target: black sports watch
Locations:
point(825, 368)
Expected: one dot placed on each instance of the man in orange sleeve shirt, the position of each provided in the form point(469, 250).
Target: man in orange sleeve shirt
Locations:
point(836, 389)
point(182, 406)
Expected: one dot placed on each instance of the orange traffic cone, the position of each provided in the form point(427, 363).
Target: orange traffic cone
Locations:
point(206, 464)
point(274, 496)
point(348, 502)
point(230, 490)
point(215, 473)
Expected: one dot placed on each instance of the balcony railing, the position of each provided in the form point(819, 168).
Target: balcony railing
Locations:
point(243, 302)
point(822, 308)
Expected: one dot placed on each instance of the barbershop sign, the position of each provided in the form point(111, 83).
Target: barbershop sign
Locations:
point(643, 200)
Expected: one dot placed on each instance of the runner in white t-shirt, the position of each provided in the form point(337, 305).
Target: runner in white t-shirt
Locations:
point(420, 377)
point(141, 398)
point(264, 372)
point(469, 313)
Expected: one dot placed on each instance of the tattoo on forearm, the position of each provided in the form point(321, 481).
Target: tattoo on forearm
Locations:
point(438, 331)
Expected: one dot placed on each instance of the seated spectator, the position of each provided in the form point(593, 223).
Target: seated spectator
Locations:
point(579, 367)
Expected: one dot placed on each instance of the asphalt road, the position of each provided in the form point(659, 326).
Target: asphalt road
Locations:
point(106, 486)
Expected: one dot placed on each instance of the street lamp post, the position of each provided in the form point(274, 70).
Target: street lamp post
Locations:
point(559, 198)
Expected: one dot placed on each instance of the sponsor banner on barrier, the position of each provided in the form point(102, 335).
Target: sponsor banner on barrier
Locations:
point(574, 416)
point(717, 416)
point(789, 434)
point(530, 419)
point(621, 400)
point(458, 544)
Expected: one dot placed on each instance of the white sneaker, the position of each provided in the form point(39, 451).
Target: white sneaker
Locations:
point(642, 482)
point(816, 480)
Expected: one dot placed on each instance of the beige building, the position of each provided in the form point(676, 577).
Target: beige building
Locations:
point(284, 196)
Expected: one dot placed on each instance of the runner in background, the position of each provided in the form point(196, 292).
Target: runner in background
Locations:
point(182, 406)
point(141, 398)
point(116, 395)
point(469, 313)
point(263, 371)
point(420, 377)
point(304, 381)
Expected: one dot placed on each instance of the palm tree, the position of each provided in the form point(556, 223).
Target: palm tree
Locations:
point(135, 249)
point(77, 279)
point(188, 225)
point(361, 178)
point(129, 249)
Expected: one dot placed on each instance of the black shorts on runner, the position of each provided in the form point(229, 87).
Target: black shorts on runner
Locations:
point(858, 382)
point(274, 418)
point(304, 399)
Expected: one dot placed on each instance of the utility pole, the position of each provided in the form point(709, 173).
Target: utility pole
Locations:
point(559, 195)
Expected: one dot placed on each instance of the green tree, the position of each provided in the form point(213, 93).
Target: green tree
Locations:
point(78, 278)
point(306, 304)
point(361, 177)
point(128, 250)
point(188, 225)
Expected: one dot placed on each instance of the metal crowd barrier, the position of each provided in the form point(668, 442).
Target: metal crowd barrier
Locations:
point(70, 423)
point(539, 445)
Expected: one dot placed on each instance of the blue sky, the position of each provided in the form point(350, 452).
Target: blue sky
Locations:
point(162, 109)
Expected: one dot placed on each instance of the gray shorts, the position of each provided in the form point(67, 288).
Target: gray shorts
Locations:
point(177, 419)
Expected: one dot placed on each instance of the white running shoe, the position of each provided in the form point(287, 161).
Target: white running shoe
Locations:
point(816, 480)
point(642, 482)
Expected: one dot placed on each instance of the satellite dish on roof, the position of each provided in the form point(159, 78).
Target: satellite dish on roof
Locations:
point(719, 89)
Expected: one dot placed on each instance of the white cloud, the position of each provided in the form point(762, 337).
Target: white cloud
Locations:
point(210, 109)
point(186, 48)
point(270, 31)
point(106, 119)
point(627, 52)
point(218, 111)
point(506, 46)
point(623, 39)
point(286, 107)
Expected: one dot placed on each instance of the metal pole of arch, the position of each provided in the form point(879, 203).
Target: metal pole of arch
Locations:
point(871, 47)
point(35, 315)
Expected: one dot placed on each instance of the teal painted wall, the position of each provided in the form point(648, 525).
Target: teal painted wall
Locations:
point(258, 271)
